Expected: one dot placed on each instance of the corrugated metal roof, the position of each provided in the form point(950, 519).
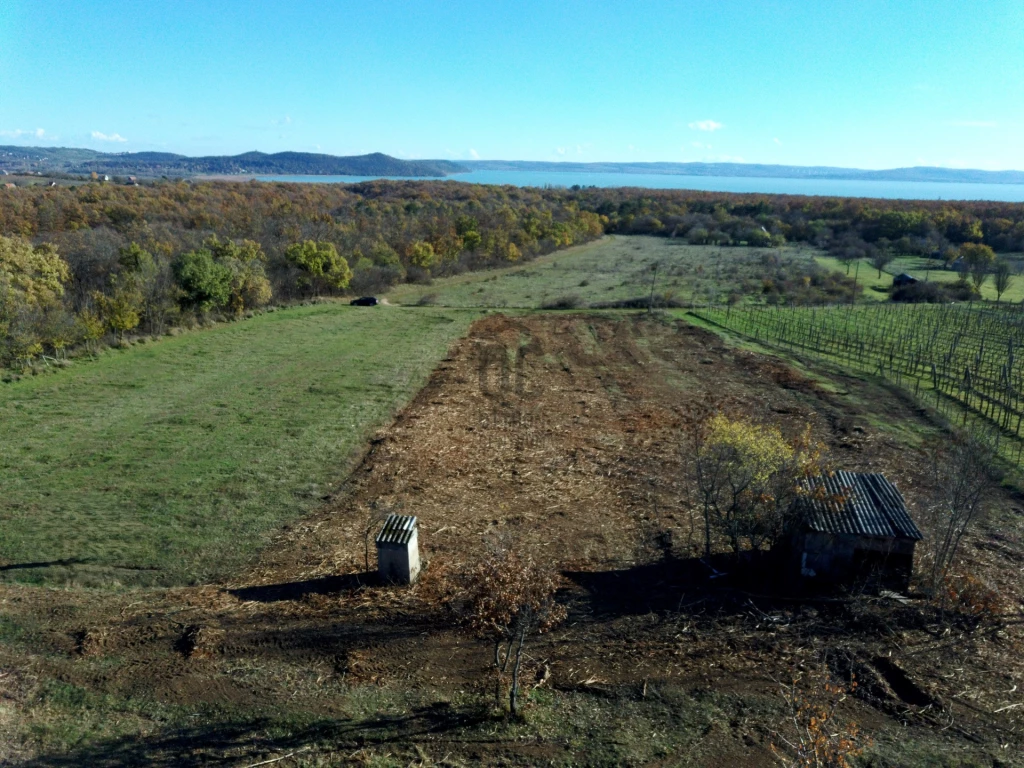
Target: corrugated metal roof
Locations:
point(398, 529)
point(871, 506)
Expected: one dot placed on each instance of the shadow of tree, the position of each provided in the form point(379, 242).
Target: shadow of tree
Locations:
point(45, 564)
point(259, 739)
point(754, 590)
point(665, 585)
point(296, 590)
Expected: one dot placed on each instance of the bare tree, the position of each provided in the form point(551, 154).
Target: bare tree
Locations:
point(882, 258)
point(1002, 276)
point(507, 598)
point(375, 517)
point(654, 282)
point(979, 274)
point(960, 474)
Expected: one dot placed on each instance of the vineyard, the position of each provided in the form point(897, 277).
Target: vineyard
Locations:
point(967, 361)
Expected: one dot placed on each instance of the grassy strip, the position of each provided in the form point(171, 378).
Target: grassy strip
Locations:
point(878, 288)
point(173, 463)
point(665, 724)
point(613, 269)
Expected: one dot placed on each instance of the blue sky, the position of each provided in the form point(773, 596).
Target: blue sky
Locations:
point(863, 83)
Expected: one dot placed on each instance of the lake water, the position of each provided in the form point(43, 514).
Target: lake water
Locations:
point(908, 190)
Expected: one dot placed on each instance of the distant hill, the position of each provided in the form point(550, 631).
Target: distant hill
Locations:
point(921, 173)
point(78, 161)
point(84, 161)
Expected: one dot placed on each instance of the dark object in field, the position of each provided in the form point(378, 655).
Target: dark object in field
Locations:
point(903, 279)
point(364, 301)
point(856, 531)
point(640, 302)
point(562, 302)
point(932, 293)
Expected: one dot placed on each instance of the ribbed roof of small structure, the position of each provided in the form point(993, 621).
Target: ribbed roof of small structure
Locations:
point(398, 529)
point(860, 503)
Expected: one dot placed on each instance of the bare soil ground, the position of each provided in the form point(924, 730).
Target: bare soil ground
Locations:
point(564, 432)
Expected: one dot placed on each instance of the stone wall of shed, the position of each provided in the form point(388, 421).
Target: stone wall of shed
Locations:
point(853, 560)
point(399, 563)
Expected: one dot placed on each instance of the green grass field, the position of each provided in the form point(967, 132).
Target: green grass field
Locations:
point(612, 269)
point(171, 463)
point(877, 288)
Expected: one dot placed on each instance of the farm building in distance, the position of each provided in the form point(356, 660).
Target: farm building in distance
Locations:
point(398, 550)
point(855, 530)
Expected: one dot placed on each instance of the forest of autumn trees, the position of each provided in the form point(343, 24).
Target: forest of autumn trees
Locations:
point(82, 262)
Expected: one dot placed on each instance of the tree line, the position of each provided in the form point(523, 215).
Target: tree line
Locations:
point(917, 227)
point(83, 262)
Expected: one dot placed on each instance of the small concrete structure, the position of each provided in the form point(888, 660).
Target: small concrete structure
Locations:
point(398, 550)
point(855, 531)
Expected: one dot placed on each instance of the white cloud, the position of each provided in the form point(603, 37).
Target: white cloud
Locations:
point(699, 145)
point(974, 123)
point(115, 137)
point(560, 150)
point(18, 133)
point(474, 154)
point(777, 142)
point(705, 125)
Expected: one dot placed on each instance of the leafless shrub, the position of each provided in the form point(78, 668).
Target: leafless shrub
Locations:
point(812, 735)
point(507, 598)
point(960, 469)
point(972, 596)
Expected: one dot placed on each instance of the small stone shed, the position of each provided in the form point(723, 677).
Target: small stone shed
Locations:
point(398, 550)
point(855, 531)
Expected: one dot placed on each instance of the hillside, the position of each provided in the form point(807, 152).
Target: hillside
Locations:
point(74, 161)
point(230, 466)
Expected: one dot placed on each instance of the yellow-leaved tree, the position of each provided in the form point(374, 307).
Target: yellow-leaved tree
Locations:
point(321, 265)
point(421, 254)
point(747, 476)
point(36, 275)
point(31, 288)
